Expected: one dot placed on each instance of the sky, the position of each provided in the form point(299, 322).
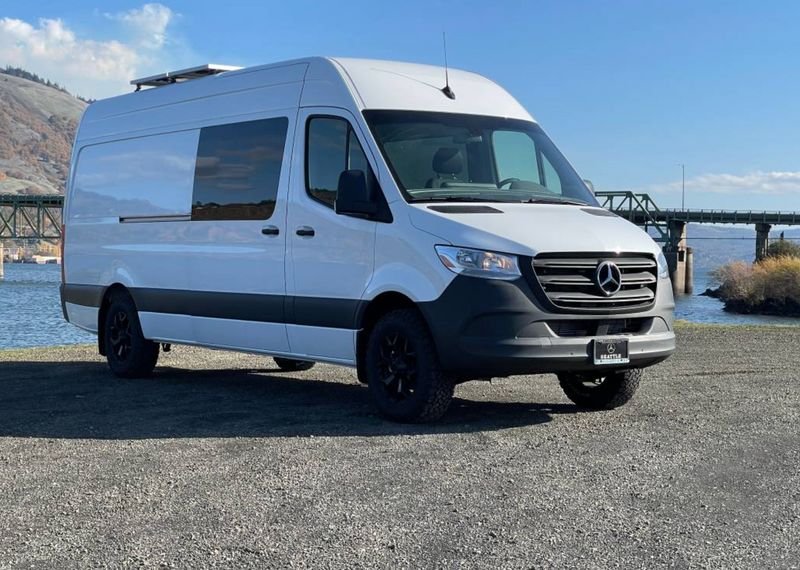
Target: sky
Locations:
point(628, 90)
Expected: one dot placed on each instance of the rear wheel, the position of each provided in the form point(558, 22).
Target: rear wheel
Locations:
point(292, 365)
point(402, 369)
point(129, 354)
point(600, 392)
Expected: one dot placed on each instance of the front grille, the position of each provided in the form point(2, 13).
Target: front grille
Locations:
point(568, 281)
point(579, 328)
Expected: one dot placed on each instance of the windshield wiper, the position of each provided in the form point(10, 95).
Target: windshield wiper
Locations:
point(568, 201)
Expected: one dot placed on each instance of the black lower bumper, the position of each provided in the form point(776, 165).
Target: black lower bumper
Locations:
point(488, 328)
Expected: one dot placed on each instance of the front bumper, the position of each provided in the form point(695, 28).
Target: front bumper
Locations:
point(487, 328)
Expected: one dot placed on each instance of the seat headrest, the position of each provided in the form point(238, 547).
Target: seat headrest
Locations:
point(448, 161)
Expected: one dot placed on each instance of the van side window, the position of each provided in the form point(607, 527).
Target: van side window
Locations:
point(331, 148)
point(237, 171)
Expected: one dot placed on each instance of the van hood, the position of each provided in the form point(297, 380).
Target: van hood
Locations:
point(530, 229)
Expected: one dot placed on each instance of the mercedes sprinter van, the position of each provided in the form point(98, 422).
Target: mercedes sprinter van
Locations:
point(361, 213)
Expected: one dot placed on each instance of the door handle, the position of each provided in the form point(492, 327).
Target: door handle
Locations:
point(270, 231)
point(305, 231)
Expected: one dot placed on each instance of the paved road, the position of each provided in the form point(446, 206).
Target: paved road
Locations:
point(221, 460)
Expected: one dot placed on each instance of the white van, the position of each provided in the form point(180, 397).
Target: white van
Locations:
point(356, 212)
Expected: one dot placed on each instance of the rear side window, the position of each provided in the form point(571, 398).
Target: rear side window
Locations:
point(237, 171)
point(332, 147)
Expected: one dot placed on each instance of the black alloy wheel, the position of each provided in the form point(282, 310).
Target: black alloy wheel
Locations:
point(129, 354)
point(119, 333)
point(402, 369)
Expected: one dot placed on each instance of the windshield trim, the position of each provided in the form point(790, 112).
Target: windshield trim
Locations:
point(520, 123)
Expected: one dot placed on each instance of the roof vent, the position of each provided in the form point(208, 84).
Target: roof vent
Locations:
point(182, 75)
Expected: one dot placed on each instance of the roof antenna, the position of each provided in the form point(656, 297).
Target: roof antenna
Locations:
point(446, 89)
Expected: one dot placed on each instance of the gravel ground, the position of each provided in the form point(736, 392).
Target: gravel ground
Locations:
point(220, 460)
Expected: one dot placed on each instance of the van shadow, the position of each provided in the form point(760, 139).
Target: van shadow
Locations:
point(83, 400)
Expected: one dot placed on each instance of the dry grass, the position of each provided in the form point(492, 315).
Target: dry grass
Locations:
point(774, 280)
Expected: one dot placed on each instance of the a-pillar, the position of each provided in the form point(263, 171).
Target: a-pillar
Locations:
point(762, 240)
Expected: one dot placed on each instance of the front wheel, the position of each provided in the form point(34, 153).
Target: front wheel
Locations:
point(129, 354)
point(600, 392)
point(402, 369)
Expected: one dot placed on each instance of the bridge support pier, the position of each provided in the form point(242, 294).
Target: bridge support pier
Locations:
point(1, 260)
point(762, 240)
point(680, 259)
point(689, 274)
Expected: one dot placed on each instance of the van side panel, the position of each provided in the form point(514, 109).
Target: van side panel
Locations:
point(117, 186)
point(135, 157)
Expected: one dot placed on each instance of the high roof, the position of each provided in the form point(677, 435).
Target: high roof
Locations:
point(410, 86)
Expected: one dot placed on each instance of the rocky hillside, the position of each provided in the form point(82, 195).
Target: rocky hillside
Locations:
point(37, 126)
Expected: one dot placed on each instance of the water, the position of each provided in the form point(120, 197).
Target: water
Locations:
point(702, 309)
point(30, 309)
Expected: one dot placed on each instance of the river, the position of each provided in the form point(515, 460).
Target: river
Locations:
point(30, 309)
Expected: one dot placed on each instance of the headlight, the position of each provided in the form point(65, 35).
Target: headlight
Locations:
point(478, 263)
point(663, 267)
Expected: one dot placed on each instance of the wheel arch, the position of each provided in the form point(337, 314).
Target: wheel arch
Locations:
point(101, 314)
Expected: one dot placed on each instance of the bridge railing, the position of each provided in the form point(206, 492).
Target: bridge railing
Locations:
point(718, 216)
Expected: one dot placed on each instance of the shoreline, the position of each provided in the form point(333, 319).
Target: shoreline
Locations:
point(767, 308)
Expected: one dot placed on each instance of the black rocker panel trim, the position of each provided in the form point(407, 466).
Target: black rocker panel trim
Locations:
point(309, 311)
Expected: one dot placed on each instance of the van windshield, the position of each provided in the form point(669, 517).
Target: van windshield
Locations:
point(453, 157)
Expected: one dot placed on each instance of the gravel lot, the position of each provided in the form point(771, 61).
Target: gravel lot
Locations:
point(220, 460)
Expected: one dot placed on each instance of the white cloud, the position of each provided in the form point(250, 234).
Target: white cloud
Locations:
point(85, 66)
point(148, 24)
point(774, 183)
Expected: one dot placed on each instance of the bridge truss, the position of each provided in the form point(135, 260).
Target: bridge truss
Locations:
point(31, 217)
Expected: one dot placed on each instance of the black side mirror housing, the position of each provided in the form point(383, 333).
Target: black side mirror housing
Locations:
point(354, 195)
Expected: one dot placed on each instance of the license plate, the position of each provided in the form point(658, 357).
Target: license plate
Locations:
point(611, 351)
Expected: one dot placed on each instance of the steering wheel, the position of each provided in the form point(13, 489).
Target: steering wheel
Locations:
point(506, 181)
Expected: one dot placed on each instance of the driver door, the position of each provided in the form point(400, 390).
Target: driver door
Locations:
point(330, 257)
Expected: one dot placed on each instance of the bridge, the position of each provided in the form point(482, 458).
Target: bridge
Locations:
point(669, 227)
point(29, 218)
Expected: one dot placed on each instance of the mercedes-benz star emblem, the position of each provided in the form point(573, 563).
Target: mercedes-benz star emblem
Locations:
point(609, 278)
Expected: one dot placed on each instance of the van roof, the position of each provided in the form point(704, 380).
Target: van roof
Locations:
point(353, 84)
point(412, 86)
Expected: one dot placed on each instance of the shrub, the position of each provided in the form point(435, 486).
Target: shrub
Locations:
point(783, 248)
point(773, 283)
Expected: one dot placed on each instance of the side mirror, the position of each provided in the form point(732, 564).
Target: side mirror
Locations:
point(589, 185)
point(354, 196)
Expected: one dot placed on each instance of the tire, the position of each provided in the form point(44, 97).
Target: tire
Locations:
point(402, 369)
point(292, 365)
point(603, 392)
point(129, 354)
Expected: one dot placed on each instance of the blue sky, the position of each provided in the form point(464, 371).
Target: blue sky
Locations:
point(627, 89)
